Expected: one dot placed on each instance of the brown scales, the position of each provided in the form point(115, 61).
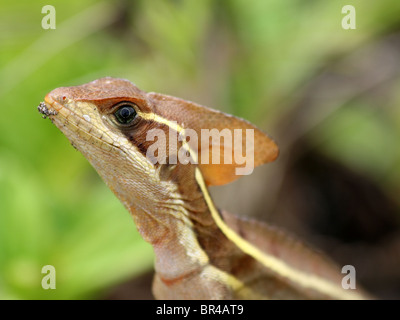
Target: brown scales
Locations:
point(184, 234)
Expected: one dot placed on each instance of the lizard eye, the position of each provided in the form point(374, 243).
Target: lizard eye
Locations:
point(125, 114)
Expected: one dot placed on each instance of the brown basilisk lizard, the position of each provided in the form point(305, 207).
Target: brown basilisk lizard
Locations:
point(200, 252)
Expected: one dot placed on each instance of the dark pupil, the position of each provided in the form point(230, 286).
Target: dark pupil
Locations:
point(125, 114)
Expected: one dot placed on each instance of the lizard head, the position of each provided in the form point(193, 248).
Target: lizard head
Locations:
point(119, 129)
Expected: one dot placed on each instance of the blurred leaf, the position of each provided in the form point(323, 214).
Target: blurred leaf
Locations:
point(361, 138)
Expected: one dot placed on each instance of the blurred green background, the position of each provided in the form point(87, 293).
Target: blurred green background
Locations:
point(330, 97)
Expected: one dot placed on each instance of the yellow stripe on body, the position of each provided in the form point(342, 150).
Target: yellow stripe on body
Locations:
point(209, 270)
point(272, 263)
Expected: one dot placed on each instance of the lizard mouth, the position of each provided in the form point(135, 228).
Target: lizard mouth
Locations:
point(78, 125)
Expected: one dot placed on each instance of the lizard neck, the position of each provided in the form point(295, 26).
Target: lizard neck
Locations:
point(181, 230)
point(170, 213)
point(174, 240)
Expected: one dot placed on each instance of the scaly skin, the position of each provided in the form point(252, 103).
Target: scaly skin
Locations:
point(201, 253)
